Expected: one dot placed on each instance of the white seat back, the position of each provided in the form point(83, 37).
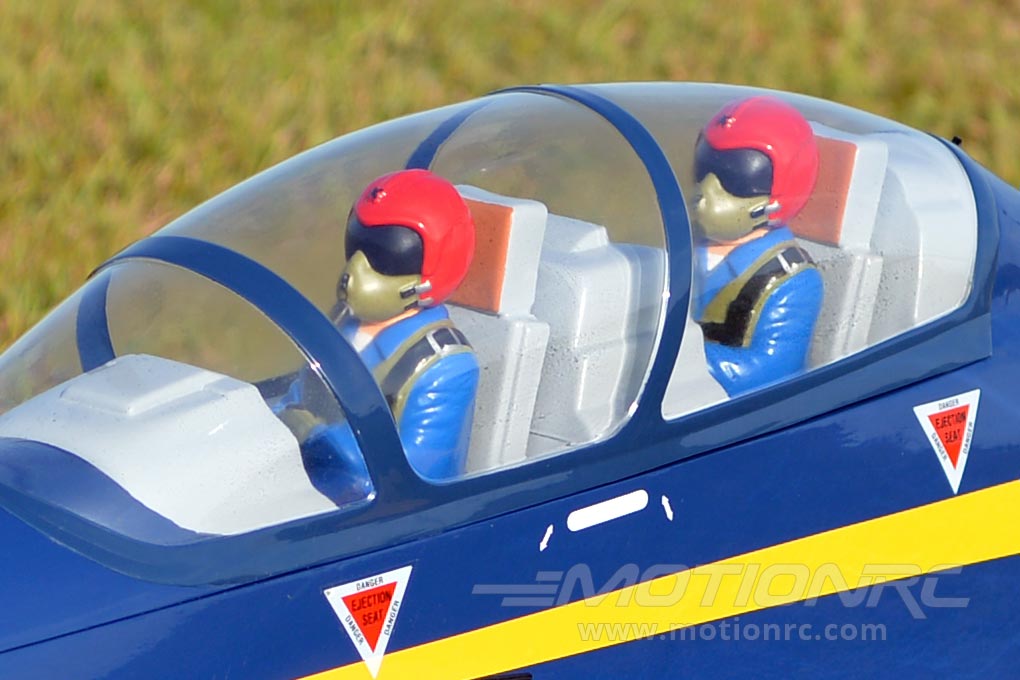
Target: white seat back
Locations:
point(492, 307)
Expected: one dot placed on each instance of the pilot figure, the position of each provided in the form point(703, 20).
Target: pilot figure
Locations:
point(410, 239)
point(757, 294)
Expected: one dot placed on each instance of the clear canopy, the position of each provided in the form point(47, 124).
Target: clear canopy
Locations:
point(565, 361)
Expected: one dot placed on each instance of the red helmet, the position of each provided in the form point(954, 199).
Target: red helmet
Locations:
point(433, 208)
point(778, 130)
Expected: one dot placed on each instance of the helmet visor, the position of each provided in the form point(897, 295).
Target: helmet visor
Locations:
point(391, 250)
point(742, 172)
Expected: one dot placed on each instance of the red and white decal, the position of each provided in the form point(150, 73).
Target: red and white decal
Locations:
point(949, 424)
point(368, 609)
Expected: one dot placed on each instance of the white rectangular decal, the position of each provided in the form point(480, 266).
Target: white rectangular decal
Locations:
point(606, 511)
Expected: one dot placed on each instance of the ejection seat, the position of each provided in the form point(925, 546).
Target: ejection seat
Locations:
point(563, 322)
point(602, 301)
point(493, 308)
point(836, 226)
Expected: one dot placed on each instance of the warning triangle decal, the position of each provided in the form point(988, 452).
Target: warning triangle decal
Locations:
point(368, 609)
point(949, 425)
point(371, 606)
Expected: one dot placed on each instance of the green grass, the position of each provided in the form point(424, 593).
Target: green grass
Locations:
point(117, 116)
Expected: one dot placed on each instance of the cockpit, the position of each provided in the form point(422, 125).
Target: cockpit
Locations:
point(153, 403)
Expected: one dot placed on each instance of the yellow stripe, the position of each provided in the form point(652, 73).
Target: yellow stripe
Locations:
point(962, 530)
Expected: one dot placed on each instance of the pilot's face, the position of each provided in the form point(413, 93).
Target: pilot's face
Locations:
point(722, 217)
point(383, 272)
point(372, 296)
point(734, 187)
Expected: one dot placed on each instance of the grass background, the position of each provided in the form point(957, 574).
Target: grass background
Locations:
point(117, 116)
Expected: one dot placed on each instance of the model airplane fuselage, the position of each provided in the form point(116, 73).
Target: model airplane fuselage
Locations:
point(204, 473)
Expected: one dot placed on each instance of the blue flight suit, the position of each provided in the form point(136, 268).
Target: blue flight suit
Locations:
point(777, 338)
point(437, 410)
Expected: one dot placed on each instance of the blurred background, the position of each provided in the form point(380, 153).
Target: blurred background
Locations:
point(118, 116)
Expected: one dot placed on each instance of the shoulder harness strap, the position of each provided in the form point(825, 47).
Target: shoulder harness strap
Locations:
point(732, 315)
point(396, 375)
